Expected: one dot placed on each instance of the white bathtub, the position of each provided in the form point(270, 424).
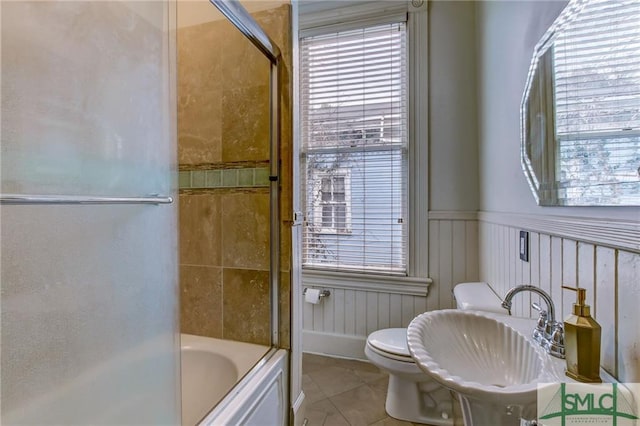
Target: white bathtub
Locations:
point(210, 368)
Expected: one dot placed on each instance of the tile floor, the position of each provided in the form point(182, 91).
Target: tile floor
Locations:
point(341, 392)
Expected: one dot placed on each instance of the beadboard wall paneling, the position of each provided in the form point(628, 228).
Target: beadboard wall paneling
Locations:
point(453, 258)
point(628, 316)
point(359, 312)
point(340, 323)
point(610, 275)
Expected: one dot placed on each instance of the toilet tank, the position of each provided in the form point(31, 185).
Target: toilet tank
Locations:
point(477, 296)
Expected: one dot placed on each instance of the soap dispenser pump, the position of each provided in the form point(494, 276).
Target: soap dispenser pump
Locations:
point(582, 341)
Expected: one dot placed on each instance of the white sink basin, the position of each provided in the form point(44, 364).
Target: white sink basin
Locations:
point(493, 368)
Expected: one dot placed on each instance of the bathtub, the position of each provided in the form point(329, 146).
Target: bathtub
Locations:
point(210, 368)
point(224, 374)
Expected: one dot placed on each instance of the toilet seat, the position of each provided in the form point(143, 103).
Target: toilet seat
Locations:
point(390, 343)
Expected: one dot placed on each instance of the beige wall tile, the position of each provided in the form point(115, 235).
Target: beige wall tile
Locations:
point(245, 123)
point(245, 230)
point(200, 91)
point(199, 54)
point(200, 221)
point(285, 245)
point(276, 23)
point(285, 310)
point(243, 64)
point(199, 126)
point(246, 305)
point(201, 301)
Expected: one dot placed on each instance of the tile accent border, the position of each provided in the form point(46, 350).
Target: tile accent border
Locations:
point(251, 177)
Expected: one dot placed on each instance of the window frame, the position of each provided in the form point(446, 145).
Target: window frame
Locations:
point(357, 14)
point(318, 204)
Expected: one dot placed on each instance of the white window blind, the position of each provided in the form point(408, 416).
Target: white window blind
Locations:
point(596, 63)
point(354, 149)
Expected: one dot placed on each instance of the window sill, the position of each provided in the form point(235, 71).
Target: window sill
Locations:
point(413, 286)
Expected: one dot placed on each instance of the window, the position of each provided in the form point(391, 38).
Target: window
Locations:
point(331, 202)
point(354, 116)
point(597, 105)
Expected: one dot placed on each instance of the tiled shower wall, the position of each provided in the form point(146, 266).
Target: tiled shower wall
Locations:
point(223, 150)
point(610, 275)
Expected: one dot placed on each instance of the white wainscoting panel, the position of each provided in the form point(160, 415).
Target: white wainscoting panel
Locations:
point(610, 274)
point(340, 323)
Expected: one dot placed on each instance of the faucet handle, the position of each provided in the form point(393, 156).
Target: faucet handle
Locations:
point(537, 307)
point(542, 317)
point(556, 341)
point(539, 333)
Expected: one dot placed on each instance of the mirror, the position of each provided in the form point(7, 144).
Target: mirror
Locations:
point(580, 113)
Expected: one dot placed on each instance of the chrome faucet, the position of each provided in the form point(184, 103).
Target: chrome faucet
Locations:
point(549, 333)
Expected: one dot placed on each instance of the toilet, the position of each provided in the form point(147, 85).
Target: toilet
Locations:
point(412, 395)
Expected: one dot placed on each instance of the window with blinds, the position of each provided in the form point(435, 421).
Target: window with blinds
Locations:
point(596, 63)
point(354, 149)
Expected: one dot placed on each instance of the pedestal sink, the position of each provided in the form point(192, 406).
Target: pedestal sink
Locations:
point(493, 368)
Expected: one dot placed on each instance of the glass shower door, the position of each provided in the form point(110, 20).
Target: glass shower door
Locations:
point(88, 292)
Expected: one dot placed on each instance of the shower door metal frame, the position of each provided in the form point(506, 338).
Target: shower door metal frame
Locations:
point(244, 22)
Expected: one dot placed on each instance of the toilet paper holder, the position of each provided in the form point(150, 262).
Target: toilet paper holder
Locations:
point(323, 293)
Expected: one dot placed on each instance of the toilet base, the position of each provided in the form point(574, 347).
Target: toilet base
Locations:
point(412, 395)
point(419, 402)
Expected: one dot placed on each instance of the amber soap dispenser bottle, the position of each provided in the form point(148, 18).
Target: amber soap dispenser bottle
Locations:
point(582, 341)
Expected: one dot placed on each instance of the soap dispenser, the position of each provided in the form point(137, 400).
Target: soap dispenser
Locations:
point(582, 341)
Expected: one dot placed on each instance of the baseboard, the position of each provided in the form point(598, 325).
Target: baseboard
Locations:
point(336, 345)
point(298, 411)
point(298, 402)
point(297, 416)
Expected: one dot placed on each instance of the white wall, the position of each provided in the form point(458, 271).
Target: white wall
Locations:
point(453, 145)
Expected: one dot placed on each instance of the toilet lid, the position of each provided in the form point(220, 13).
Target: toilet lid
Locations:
point(390, 340)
